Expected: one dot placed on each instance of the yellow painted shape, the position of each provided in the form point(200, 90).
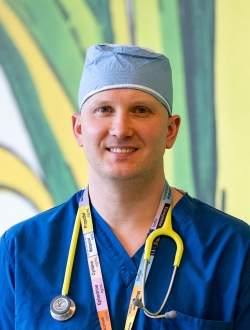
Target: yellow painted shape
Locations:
point(120, 22)
point(57, 107)
point(16, 175)
point(147, 24)
point(82, 19)
point(232, 79)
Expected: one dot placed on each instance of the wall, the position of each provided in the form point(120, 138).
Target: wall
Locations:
point(42, 50)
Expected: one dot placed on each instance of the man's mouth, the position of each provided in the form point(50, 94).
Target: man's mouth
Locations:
point(122, 150)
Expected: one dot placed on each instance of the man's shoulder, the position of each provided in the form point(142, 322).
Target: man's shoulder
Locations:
point(219, 215)
point(54, 219)
point(210, 217)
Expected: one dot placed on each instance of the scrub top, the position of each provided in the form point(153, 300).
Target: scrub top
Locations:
point(211, 288)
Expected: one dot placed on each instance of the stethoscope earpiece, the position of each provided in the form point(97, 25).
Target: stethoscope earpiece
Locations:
point(62, 308)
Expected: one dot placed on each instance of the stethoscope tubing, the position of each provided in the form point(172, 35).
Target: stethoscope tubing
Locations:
point(165, 230)
point(146, 311)
point(71, 256)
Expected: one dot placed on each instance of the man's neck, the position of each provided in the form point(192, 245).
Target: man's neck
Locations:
point(114, 198)
point(128, 207)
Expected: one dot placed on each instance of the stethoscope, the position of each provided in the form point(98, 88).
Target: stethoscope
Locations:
point(63, 308)
point(165, 230)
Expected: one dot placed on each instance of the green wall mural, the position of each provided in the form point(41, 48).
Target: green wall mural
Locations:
point(42, 51)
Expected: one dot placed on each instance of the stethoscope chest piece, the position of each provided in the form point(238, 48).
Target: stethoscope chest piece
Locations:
point(62, 308)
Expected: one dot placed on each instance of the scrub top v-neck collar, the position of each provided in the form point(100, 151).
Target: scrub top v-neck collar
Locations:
point(104, 235)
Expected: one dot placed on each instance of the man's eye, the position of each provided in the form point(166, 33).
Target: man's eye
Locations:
point(104, 110)
point(141, 110)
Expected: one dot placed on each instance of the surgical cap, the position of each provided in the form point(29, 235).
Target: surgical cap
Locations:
point(109, 66)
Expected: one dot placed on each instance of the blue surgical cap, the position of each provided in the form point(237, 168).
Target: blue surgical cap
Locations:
point(109, 66)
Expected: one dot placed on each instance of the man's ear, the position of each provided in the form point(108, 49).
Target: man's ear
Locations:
point(77, 128)
point(173, 128)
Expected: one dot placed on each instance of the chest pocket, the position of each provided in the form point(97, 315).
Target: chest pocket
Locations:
point(185, 322)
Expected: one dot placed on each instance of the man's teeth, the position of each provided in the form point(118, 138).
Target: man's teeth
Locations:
point(122, 150)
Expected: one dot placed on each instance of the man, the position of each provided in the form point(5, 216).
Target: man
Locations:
point(124, 127)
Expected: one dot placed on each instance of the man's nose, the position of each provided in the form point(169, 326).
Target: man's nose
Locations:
point(121, 125)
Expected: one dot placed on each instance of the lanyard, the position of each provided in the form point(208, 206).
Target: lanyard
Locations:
point(158, 221)
point(94, 262)
point(84, 213)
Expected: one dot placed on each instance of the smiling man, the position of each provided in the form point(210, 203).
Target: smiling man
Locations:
point(124, 126)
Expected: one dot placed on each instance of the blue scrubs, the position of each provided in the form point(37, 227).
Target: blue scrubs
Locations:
point(211, 289)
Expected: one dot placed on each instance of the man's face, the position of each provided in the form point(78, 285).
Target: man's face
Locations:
point(124, 133)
